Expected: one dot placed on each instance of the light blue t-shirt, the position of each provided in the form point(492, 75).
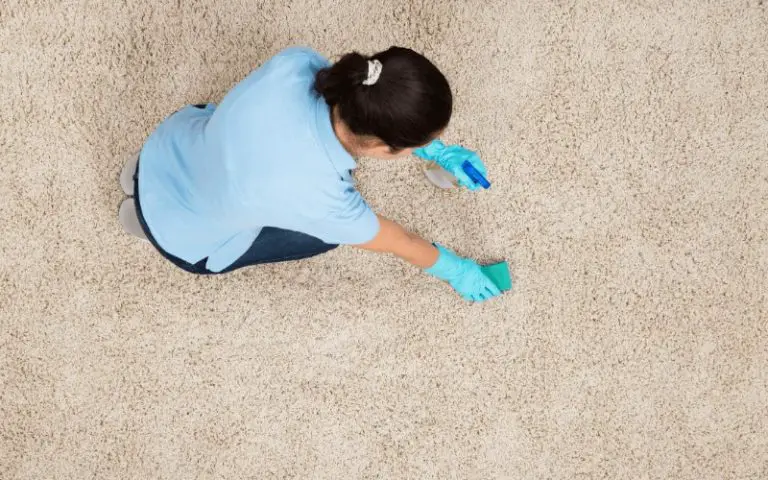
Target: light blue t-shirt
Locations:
point(210, 179)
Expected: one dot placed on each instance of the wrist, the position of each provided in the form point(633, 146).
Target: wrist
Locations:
point(431, 151)
point(447, 266)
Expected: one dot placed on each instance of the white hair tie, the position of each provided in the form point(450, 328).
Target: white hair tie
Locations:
point(374, 72)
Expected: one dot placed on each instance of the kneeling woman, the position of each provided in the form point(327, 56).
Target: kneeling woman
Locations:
point(265, 176)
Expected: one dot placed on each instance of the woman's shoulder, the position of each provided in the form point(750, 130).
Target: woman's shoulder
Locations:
point(299, 53)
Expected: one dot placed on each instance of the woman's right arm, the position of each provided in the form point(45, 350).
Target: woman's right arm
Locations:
point(463, 274)
point(392, 238)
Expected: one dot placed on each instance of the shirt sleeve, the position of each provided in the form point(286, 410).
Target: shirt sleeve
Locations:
point(352, 222)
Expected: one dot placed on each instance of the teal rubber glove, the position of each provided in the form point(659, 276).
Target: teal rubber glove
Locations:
point(464, 275)
point(450, 159)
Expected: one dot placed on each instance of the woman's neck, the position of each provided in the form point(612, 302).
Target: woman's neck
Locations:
point(345, 136)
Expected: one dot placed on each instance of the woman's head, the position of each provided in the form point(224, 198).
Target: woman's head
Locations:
point(406, 106)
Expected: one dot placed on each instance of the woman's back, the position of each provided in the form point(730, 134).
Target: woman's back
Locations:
point(211, 178)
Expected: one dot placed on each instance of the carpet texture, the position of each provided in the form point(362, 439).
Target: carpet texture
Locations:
point(628, 146)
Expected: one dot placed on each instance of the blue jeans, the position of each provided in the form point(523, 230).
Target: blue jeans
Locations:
point(271, 246)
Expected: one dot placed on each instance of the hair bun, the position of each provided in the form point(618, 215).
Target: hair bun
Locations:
point(342, 78)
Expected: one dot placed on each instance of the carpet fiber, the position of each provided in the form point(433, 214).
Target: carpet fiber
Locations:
point(627, 144)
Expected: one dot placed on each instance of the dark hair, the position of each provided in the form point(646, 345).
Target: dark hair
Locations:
point(410, 102)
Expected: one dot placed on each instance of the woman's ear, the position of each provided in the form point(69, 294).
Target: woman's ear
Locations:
point(403, 152)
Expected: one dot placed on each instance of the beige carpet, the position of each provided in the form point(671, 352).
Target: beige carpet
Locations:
point(628, 146)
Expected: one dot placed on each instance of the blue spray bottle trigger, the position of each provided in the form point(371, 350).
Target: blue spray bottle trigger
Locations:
point(475, 175)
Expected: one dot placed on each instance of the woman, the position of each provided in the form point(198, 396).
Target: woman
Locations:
point(266, 175)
